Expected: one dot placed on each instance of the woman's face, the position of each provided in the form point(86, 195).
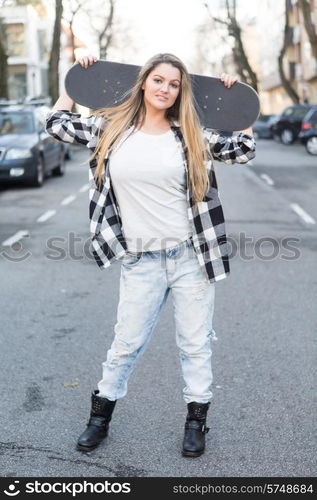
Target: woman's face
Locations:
point(162, 86)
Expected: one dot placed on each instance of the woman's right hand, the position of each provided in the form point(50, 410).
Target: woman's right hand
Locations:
point(85, 61)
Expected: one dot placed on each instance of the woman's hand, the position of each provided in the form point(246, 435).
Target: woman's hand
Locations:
point(228, 80)
point(85, 61)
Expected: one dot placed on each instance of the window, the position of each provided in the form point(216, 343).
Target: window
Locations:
point(264, 118)
point(288, 111)
point(15, 39)
point(41, 35)
point(300, 112)
point(17, 82)
point(16, 123)
point(313, 117)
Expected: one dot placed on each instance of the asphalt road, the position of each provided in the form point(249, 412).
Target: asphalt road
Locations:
point(58, 310)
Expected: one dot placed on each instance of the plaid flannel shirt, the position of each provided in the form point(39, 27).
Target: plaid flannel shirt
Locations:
point(206, 218)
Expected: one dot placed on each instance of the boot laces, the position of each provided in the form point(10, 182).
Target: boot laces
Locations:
point(198, 411)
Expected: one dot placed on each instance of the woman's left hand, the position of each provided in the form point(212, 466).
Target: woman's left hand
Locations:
point(228, 80)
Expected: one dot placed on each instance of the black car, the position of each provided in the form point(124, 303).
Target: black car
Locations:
point(27, 152)
point(308, 134)
point(262, 127)
point(288, 126)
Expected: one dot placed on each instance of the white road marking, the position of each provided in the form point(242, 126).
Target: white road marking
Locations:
point(49, 213)
point(301, 212)
point(46, 215)
point(68, 200)
point(267, 179)
point(16, 237)
point(84, 188)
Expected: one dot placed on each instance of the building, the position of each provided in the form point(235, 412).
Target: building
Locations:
point(29, 33)
point(262, 36)
point(300, 66)
point(26, 45)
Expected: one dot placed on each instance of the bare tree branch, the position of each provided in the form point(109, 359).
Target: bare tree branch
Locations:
point(221, 21)
point(73, 6)
point(105, 36)
point(310, 27)
point(239, 55)
point(286, 43)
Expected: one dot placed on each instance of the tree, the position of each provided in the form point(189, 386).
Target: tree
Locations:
point(53, 66)
point(103, 26)
point(287, 40)
point(73, 8)
point(105, 35)
point(4, 91)
point(239, 54)
point(310, 26)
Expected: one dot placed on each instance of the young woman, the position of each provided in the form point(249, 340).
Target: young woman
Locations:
point(154, 205)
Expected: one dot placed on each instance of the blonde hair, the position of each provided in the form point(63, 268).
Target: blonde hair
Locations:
point(133, 110)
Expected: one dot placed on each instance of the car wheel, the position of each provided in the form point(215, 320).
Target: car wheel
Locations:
point(60, 169)
point(287, 136)
point(311, 145)
point(256, 135)
point(68, 154)
point(38, 178)
point(276, 137)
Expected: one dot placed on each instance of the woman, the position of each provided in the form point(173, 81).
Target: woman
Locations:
point(154, 204)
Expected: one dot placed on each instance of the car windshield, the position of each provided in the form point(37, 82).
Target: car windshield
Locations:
point(300, 113)
point(295, 112)
point(14, 122)
point(274, 118)
point(264, 118)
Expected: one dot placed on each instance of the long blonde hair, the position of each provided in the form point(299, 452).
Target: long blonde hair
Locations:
point(133, 110)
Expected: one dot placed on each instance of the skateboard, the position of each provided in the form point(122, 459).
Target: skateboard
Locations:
point(107, 83)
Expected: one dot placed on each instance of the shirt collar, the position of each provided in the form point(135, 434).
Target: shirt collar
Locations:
point(174, 123)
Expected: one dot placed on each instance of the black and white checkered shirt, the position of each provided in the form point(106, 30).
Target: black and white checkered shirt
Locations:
point(206, 218)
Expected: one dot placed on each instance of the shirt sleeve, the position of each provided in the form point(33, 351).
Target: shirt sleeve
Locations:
point(238, 148)
point(66, 126)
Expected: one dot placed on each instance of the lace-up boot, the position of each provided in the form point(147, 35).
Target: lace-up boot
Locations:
point(195, 429)
point(98, 424)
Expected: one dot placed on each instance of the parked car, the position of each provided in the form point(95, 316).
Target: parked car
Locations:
point(262, 126)
point(27, 152)
point(308, 133)
point(288, 126)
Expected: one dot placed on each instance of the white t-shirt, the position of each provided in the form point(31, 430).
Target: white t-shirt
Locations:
point(149, 182)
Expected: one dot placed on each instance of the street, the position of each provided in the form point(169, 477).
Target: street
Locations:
point(58, 311)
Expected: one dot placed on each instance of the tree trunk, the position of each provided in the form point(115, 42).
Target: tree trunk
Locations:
point(4, 70)
point(105, 36)
point(53, 76)
point(240, 57)
point(72, 40)
point(309, 25)
point(286, 42)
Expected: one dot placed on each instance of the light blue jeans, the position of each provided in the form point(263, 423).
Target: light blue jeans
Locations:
point(145, 282)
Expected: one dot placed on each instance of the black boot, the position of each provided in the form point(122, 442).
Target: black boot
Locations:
point(195, 429)
point(98, 424)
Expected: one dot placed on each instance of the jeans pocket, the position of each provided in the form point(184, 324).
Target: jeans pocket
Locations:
point(131, 259)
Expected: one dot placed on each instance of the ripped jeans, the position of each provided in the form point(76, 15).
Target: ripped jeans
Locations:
point(145, 282)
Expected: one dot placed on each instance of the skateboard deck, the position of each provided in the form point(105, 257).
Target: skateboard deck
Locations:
point(107, 83)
